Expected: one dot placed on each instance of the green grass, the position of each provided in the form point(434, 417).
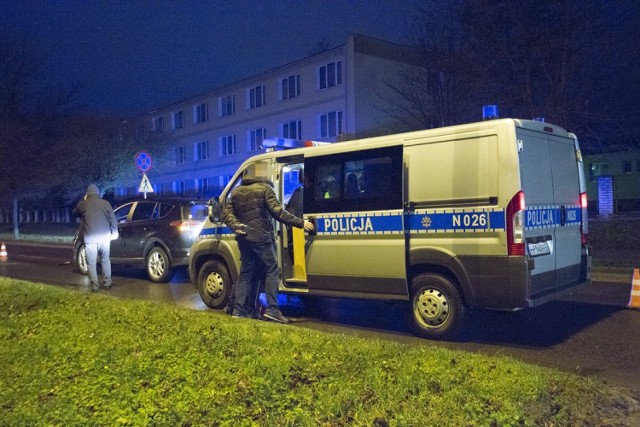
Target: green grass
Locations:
point(75, 358)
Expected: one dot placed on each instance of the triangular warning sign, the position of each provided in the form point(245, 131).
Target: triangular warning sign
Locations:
point(145, 185)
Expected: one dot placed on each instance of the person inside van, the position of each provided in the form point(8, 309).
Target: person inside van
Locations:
point(351, 188)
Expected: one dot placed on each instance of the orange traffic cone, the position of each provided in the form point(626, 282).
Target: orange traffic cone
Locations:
point(634, 299)
point(3, 251)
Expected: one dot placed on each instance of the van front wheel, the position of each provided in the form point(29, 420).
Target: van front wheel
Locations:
point(437, 310)
point(214, 284)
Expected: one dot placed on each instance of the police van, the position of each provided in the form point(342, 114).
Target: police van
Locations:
point(483, 215)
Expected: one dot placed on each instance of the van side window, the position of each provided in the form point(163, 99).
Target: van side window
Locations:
point(355, 181)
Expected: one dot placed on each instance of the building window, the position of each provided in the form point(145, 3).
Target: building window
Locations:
point(177, 121)
point(292, 129)
point(202, 185)
point(330, 75)
point(161, 189)
point(227, 105)
point(637, 166)
point(227, 145)
point(627, 166)
point(224, 180)
point(331, 124)
point(256, 96)
point(290, 87)
point(178, 187)
point(157, 124)
point(180, 155)
point(597, 170)
point(200, 113)
point(201, 150)
point(255, 139)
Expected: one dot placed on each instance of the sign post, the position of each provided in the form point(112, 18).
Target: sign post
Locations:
point(143, 162)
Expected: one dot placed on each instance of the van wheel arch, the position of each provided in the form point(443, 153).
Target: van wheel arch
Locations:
point(436, 307)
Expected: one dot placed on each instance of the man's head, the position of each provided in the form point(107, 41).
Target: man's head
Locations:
point(93, 189)
point(256, 170)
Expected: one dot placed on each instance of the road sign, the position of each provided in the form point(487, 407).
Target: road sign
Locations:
point(145, 186)
point(143, 161)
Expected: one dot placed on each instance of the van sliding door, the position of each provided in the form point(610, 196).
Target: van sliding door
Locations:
point(356, 200)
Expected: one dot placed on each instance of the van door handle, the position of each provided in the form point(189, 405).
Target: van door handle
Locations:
point(563, 215)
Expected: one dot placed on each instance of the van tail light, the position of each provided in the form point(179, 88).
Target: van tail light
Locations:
point(515, 225)
point(187, 225)
point(584, 228)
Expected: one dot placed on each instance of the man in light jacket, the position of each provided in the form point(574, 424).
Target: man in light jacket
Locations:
point(97, 228)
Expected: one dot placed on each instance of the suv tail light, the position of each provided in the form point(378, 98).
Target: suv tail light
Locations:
point(186, 225)
point(515, 225)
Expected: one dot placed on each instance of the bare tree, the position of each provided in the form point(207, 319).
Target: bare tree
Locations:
point(102, 151)
point(558, 59)
point(434, 84)
point(26, 124)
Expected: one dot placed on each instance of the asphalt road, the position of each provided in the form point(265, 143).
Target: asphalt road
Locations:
point(591, 332)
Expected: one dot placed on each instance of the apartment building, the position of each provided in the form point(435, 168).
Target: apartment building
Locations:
point(332, 96)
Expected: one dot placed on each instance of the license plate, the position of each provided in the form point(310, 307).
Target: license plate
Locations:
point(540, 248)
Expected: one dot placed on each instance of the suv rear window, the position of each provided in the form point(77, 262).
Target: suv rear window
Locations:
point(164, 208)
point(197, 211)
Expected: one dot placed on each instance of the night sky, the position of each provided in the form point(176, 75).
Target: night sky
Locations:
point(132, 56)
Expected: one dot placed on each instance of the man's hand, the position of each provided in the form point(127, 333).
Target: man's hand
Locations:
point(308, 225)
point(240, 230)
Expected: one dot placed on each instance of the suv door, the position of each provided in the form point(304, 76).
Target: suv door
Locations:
point(135, 231)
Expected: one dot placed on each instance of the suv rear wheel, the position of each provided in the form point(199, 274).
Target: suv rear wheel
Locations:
point(214, 284)
point(158, 266)
point(81, 260)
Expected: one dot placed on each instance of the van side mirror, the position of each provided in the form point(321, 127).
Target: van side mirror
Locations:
point(213, 209)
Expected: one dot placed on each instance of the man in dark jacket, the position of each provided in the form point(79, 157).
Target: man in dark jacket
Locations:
point(97, 228)
point(250, 211)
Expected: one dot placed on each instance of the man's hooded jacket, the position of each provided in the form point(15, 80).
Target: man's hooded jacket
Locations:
point(98, 222)
point(250, 210)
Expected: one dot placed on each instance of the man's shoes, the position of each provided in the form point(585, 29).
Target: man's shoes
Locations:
point(107, 288)
point(94, 288)
point(239, 315)
point(275, 315)
point(229, 309)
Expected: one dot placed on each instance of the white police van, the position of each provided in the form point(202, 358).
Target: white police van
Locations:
point(482, 215)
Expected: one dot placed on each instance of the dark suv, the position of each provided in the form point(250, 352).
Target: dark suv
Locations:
point(155, 233)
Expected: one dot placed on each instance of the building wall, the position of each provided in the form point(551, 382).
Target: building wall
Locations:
point(624, 169)
point(366, 66)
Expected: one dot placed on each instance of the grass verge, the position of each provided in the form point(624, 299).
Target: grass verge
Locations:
point(73, 358)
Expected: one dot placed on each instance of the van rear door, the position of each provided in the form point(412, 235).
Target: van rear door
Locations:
point(549, 178)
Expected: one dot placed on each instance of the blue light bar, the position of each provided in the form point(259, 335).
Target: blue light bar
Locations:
point(281, 143)
point(490, 112)
point(539, 119)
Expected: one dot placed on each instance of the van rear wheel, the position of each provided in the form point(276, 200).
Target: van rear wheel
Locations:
point(214, 284)
point(437, 310)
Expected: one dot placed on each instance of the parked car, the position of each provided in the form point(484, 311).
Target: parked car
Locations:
point(156, 234)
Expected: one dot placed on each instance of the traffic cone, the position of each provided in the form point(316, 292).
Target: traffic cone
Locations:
point(634, 299)
point(3, 251)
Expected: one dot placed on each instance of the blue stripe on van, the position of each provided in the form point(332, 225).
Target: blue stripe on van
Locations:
point(474, 220)
point(540, 217)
